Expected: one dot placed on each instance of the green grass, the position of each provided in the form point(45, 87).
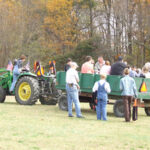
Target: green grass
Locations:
point(42, 127)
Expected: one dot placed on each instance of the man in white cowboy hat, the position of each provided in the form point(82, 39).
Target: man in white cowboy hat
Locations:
point(72, 87)
point(102, 87)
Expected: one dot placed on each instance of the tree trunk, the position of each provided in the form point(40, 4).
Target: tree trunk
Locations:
point(91, 21)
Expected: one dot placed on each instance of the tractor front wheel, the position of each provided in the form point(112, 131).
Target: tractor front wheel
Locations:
point(27, 91)
point(2, 95)
point(48, 100)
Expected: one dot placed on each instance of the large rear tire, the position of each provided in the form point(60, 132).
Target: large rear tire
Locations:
point(2, 95)
point(62, 102)
point(27, 91)
point(119, 108)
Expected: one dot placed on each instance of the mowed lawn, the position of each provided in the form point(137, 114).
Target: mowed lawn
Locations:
point(41, 127)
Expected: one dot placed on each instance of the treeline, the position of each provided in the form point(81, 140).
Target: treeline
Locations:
point(50, 29)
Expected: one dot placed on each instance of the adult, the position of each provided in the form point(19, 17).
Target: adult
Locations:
point(129, 91)
point(145, 72)
point(133, 72)
point(106, 68)
point(87, 67)
point(138, 72)
point(18, 67)
point(118, 67)
point(67, 65)
point(93, 62)
point(147, 65)
point(72, 87)
point(99, 65)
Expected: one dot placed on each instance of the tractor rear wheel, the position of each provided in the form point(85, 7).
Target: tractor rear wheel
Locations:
point(2, 95)
point(27, 91)
point(119, 108)
point(48, 100)
point(62, 102)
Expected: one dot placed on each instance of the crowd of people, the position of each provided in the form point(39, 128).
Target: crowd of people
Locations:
point(104, 67)
point(102, 88)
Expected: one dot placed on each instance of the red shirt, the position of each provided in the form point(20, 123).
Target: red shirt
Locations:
point(87, 67)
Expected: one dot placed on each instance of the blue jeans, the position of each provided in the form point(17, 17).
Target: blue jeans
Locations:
point(101, 109)
point(73, 96)
point(15, 77)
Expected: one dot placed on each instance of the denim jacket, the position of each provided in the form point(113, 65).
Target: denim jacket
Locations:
point(17, 67)
point(128, 86)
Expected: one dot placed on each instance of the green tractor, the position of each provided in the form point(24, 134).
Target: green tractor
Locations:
point(30, 87)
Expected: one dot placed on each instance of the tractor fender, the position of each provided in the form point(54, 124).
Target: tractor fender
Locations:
point(27, 74)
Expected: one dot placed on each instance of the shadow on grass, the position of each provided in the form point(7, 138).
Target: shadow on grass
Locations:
point(17, 104)
point(92, 112)
point(10, 103)
point(14, 103)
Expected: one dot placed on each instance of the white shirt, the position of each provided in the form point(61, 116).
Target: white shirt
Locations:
point(107, 86)
point(72, 76)
point(147, 75)
point(105, 69)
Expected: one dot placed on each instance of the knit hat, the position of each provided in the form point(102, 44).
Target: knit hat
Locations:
point(120, 58)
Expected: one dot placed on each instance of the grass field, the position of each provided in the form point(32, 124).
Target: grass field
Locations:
point(42, 127)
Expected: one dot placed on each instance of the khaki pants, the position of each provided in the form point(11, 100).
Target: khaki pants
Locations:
point(127, 107)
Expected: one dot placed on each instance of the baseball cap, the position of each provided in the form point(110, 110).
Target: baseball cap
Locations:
point(120, 58)
point(74, 64)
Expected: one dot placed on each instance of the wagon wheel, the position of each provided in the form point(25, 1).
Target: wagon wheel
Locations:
point(119, 108)
point(147, 108)
point(92, 106)
point(147, 111)
point(62, 102)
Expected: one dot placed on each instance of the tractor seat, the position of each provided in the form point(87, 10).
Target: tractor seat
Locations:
point(38, 69)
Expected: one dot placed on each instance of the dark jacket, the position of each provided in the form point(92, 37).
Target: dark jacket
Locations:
point(67, 67)
point(118, 68)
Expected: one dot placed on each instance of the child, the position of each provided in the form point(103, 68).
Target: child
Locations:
point(17, 70)
point(128, 88)
point(102, 88)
